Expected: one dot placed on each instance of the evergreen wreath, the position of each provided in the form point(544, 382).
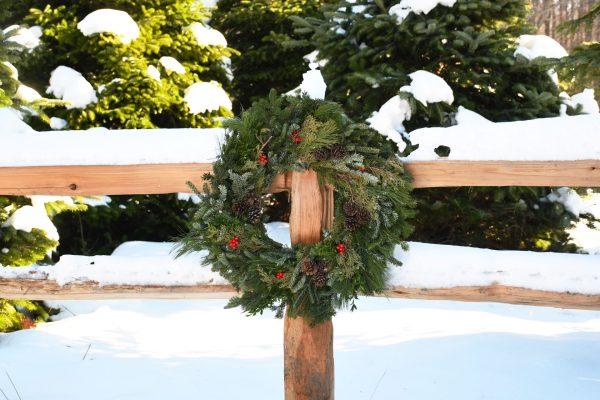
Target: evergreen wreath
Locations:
point(372, 208)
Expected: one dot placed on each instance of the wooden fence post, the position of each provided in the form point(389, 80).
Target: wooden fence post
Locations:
point(308, 350)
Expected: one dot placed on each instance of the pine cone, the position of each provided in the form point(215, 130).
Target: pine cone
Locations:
point(238, 209)
point(320, 279)
point(355, 215)
point(253, 214)
point(324, 266)
point(321, 154)
point(337, 151)
point(309, 267)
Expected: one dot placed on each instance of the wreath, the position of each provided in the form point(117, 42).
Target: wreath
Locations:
point(372, 208)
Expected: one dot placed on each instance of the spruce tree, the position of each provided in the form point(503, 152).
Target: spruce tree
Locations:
point(134, 82)
point(260, 30)
point(582, 68)
point(22, 245)
point(470, 44)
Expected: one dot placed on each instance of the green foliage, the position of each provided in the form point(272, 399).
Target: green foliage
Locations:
point(372, 209)
point(19, 314)
point(130, 97)
point(260, 30)
point(581, 69)
point(471, 46)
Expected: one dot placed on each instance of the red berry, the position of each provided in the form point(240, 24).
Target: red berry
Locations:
point(297, 139)
point(362, 169)
point(341, 248)
point(279, 275)
point(294, 133)
point(263, 159)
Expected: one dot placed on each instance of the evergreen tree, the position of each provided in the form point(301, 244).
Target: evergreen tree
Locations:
point(134, 82)
point(582, 68)
point(470, 44)
point(260, 30)
point(20, 246)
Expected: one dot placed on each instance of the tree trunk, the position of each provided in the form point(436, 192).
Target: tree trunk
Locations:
point(308, 350)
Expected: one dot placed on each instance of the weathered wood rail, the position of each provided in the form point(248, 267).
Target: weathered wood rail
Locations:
point(171, 178)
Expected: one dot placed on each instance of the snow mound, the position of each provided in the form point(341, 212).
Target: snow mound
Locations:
point(465, 116)
point(71, 86)
point(206, 96)
point(172, 65)
point(429, 88)
point(12, 122)
point(27, 218)
point(107, 20)
point(585, 99)
point(569, 198)
point(26, 37)
point(312, 84)
point(207, 36)
point(57, 123)
point(534, 46)
point(27, 94)
point(564, 138)
point(153, 73)
point(390, 118)
point(405, 7)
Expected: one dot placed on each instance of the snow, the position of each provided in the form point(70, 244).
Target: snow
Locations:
point(534, 46)
point(107, 20)
point(425, 266)
point(98, 147)
point(188, 197)
point(429, 88)
point(97, 201)
point(14, 73)
point(26, 37)
point(585, 99)
point(313, 60)
point(57, 123)
point(154, 73)
point(12, 122)
point(405, 7)
point(28, 217)
point(71, 86)
point(27, 94)
point(569, 198)
point(171, 65)
point(583, 236)
point(312, 84)
point(40, 201)
point(560, 138)
point(390, 118)
point(206, 96)
point(465, 116)
point(155, 350)
point(207, 36)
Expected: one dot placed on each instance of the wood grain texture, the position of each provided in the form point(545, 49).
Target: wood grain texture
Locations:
point(450, 173)
point(43, 289)
point(101, 179)
point(172, 178)
point(308, 350)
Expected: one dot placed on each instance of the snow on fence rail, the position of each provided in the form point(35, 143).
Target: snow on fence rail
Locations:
point(145, 162)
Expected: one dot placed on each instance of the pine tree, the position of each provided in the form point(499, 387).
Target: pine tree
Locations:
point(20, 246)
point(471, 45)
point(141, 83)
point(260, 30)
point(582, 68)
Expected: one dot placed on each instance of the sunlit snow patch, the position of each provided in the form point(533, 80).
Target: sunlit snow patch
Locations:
point(207, 36)
point(107, 20)
point(26, 37)
point(534, 46)
point(206, 96)
point(390, 118)
point(27, 218)
point(429, 88)
point(71, 86)
point(171, 64)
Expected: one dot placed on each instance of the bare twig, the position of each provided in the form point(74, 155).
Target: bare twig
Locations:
point(13, 385)
point(86, 352)
point(4, 394)
point(377, 386)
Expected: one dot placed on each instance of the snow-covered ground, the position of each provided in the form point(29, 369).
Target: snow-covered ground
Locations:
point(389, 349)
